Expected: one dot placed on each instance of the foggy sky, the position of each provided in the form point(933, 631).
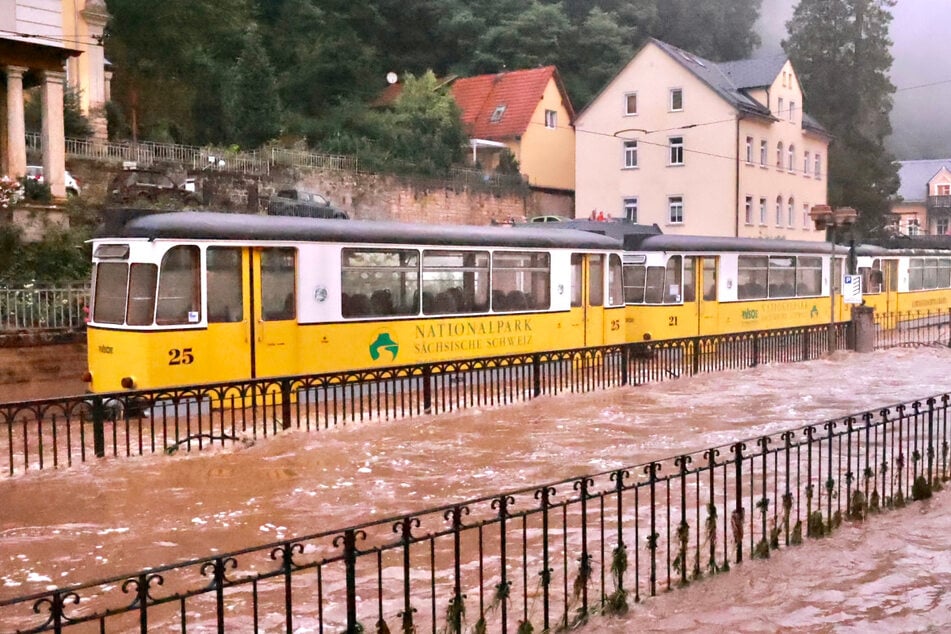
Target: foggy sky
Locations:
point(921, 72)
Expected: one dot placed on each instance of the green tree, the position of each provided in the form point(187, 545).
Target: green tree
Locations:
point(74, 121)
point(530, 39)
point(251, 104)
point(840, 50)
point(720, 30)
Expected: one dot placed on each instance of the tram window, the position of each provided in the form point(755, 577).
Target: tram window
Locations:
point(751, 274)
point(278, 300)
point(690, 280)
point(520, 281)
point(596, 280)
point(379, 282)
point(577, 266)
point(141, 309)
point(455, 282)
point(944, 273)
point(654, 291)
point(673, 280)
point(709, 279)
point(225, 288)
point(916, 274)
point(615, 281)
point(808, 276)
point(178, 288)
point(782, 276)
point(111, 282)
point(872, 278)
point(635, 279)
point(930, 273)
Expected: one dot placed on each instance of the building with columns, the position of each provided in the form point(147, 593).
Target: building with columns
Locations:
point(49, 45)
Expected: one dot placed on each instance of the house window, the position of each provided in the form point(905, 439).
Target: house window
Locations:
point(818, 166)
point(941, 226)
point(805, 164)
point(806, 220)
point(551, 119)
point(779, 155)
point(497, 115)
point(762, 211)
point(942, 190)
point(791, 158)
point(779, 107)
point(675, 209)
point(630, 154)
point(913, 227)
point(749, 210)
point(779, 211)
point(763, 151)
point(676, 99)
point(792, 110)
point(630, 103)
point(676, 150)
point(791, 213)
point(630, 209)
point(749, 149)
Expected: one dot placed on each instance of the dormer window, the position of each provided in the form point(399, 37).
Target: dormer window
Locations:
point(497, 115)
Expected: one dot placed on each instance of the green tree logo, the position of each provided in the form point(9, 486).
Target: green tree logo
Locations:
point(384, 341)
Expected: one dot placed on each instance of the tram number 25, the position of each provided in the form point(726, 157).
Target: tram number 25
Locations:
point(180, 356)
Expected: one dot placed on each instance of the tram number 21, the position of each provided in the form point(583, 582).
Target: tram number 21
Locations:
point(672, 320)
point(180, 356)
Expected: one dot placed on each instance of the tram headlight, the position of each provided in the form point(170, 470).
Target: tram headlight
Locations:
point(87, 377)
point(128, 382)
point(647, 336)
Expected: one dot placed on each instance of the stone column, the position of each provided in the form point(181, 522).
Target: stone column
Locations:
point(16, 125)
point(863, 328)
point(54, 133)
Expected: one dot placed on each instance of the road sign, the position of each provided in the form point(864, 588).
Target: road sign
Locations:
point(852, 289)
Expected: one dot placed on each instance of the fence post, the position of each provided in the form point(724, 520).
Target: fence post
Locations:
point(755, 351)
point(285, 404)
point(739, 513)
point(98, 427)
point(625, 362)
point(427, 389)
point(696, 355)
point(537, 372)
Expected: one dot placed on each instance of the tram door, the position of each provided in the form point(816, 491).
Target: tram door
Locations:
point(274, 312)
point(708, 310)
point(229, 310)
point(587, 294)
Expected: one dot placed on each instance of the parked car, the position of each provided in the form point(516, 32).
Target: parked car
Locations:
point(36, 173)
point(138, 185)
point(296, 202)
point(549, 218)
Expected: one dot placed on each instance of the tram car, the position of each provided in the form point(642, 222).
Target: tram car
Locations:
point(904, 281)
point(183, 298)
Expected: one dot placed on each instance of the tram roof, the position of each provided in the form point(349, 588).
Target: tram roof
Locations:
point(206, 225)
point(704, 244)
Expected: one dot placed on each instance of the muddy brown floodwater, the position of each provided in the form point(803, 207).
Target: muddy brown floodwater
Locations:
point(891, 574)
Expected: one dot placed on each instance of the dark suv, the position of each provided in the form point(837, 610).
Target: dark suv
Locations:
point(149, 186)
point(296, 202)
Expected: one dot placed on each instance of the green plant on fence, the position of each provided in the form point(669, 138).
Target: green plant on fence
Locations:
point(787, 510)
point(920, 490)
point(616, 602)
point(501, 594)
point(796, 537)
point(835, 522)
point(761, 550)
point(577, 588)
point(816, 527)
point(525, 627)
point(736, 526)
point(683, 542)
point(858, 505)
point(710, 527)
point(455, 614)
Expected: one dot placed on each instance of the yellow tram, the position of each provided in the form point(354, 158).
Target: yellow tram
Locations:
point(186, 298)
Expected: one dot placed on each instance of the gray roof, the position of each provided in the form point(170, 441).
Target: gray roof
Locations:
point(914, 177)
point(732, 80)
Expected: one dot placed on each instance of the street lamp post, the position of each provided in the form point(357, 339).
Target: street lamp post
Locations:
point(825, 217)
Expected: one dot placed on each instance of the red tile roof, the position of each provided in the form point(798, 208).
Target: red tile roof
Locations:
point(479, 97)
point(519, 91)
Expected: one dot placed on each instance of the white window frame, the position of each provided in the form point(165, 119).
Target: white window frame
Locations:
point(675, 210)
point(763, 211)
point(677, 93)
point(779, 211)
point(779, 108)
point(627, 104)
point(791, 213)
point(629, 207)
point(675, 155)
point(792, 107)
point(805, 164)
point(498, 113)
point(749, 210)
point(806, 220)
point(818, 165)
point(942, 189)
point(749, 150)
point(791, 158)
point(629, 148)
point(763, 153)
point(779, 155)
point(551, 119)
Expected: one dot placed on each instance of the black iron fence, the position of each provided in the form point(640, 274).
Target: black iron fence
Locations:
point(913, 328)
point(534, 559)
point(61, 432)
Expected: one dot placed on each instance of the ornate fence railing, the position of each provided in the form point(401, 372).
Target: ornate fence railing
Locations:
point(913, 328)
point(61, 432)
point(538, 558)
point(41, 309)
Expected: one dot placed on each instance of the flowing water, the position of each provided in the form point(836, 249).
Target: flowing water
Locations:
point(68, 526)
